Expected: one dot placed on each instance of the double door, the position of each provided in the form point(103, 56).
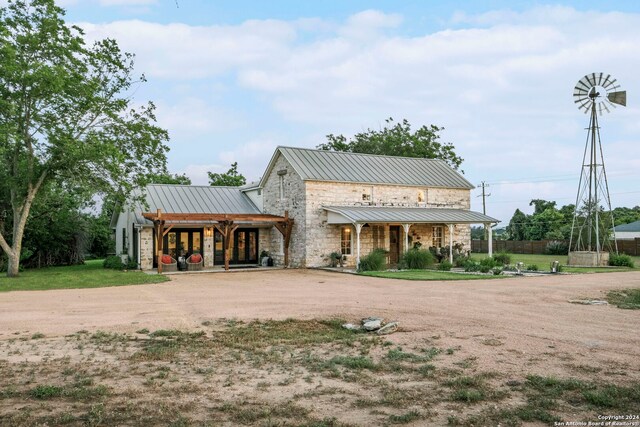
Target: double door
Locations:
point(179, 243)
point(244, 249)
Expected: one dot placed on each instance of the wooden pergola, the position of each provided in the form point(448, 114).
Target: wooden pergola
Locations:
point(225, 223)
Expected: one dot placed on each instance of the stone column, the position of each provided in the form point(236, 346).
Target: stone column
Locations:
point(450, 243)
point(489, 237)
point(406, 236)
point(207, 247)
point(358, 230)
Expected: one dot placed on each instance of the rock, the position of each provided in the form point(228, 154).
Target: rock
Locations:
point(372, 325)
point(588, 302)
point(389, 328)
point(372, 319)
point(351, 327)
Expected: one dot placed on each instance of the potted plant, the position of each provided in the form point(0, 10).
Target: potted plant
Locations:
point(265, 259)
point(336, 259)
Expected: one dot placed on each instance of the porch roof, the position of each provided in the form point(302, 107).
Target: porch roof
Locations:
point(385, 214)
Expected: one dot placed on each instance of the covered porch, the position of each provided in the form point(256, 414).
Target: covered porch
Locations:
point(224, 224)
point(407, 218)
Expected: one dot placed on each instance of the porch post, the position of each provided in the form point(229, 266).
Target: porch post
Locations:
point(159, 238)
point(406, 236)
point(358, 230)
point(226, 228)
point(450, 243)
point(487, 226)
point(285, 228)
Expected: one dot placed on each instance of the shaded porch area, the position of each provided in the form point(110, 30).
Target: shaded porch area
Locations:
point(401, 221)
point(226, 226)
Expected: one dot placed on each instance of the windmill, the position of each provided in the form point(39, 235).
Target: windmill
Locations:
point(589, 243)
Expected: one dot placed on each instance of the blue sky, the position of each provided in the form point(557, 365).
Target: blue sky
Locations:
point(232, 80)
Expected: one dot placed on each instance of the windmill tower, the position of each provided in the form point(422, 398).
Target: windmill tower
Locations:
point(590, 241)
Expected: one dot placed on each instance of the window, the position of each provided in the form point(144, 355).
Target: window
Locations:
point(281, 186)
point(378, 236)
point(124, 241)
point(345, 240)
point(437, 236)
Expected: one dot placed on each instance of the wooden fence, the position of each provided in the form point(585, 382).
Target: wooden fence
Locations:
point(628, 246)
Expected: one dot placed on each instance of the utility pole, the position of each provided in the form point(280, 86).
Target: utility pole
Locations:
point(484, 195)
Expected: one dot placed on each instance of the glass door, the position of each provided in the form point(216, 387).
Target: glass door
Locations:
point(244, 248)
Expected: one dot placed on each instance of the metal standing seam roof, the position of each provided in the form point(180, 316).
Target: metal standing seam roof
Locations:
point(194, 199)
point(366, 214)
point(335, 166)
point(633, 226)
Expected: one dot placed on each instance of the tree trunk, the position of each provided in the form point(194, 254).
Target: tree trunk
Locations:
point(14, 265)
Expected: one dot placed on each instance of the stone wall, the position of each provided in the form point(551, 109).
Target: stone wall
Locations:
point(207, 248)
point(323, 238)
point(294, 202)
point(146, 248)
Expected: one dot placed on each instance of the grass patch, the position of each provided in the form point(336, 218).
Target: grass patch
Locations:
point(426, 275)
point(89, 275)
point(405, 418)
point(628, 298)
point(286, 332)
point(544, 262)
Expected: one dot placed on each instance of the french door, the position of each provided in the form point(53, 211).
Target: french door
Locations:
point(244, 250)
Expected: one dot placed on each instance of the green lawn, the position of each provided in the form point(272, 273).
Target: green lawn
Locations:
point(426, 275)
point(544, 262)
point(89, 275)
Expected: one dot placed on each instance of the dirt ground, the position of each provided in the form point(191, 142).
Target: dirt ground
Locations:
point(513, 327)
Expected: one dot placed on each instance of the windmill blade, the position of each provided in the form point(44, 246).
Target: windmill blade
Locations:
point(580, 92)
point(584, 84)
point(599, 79)
point(607, 82)
point(589, 77)
point(619, 98)
point(586, 106)
point(602, 106)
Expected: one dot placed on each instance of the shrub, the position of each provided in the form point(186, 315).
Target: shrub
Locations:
point(497, 271)
point(132, 264)
point(460, 261)
point(375, 261)
point(532, 267)
point(621, 260)
point(114, 262)
point(471, 265)
point(445, 266)
point(556, 247)
point(416, 259)
point(502, 258)
point(488, 261)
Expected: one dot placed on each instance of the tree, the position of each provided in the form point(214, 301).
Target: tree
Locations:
point(517, 227)
point(626, 215)
point(66, 116)
point(230, 179)
point(167, 178)
point(397, 139)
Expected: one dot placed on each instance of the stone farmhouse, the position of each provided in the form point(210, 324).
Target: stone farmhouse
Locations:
point(308, 204)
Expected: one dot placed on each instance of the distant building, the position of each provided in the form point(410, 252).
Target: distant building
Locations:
point(628, 231)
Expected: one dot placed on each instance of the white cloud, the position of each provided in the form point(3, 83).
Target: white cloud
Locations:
point(198, 173)
point(500, 82)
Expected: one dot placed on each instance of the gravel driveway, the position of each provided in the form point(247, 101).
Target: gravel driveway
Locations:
point(528, 317)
